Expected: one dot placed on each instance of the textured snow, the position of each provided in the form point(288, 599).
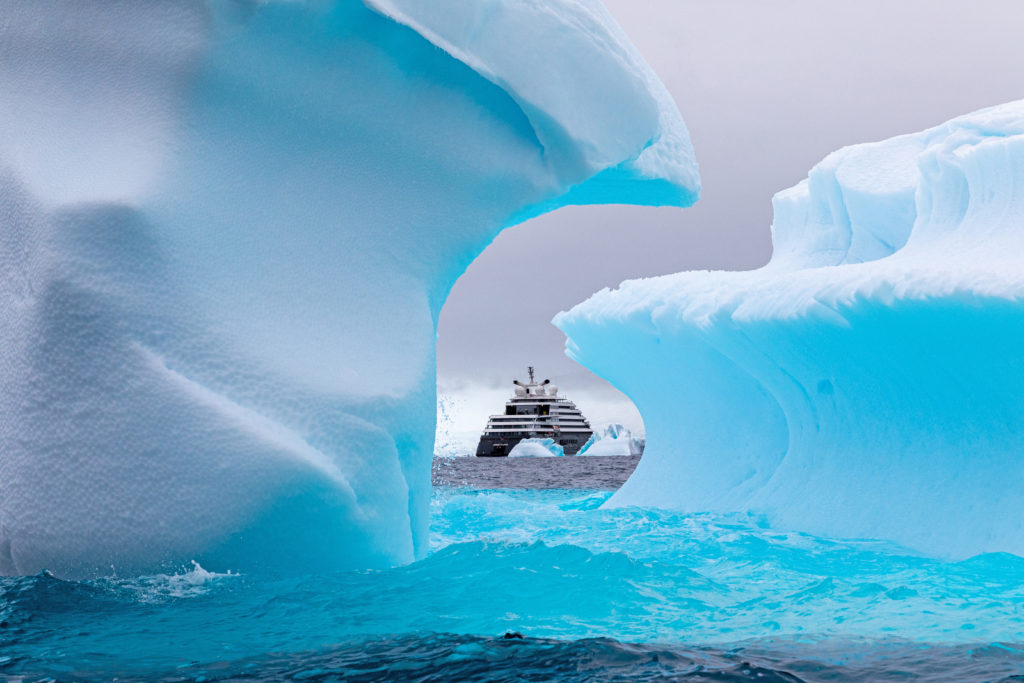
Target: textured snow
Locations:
point(226, 232)
point(867, 381)
point(537, 448)
point(612, 439)
point(603, 133)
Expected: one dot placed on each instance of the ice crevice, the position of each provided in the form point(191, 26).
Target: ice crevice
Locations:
point(869, 375)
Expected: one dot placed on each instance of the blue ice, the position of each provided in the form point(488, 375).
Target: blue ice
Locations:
point(226, 232)
point(867, 381)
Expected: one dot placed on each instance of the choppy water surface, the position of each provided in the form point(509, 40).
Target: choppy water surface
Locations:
point(603, 473)
point(628, 595)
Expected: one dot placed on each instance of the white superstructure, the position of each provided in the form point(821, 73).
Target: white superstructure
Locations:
point(535, 411)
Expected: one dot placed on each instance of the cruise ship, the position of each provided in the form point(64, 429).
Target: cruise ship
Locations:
point(535, 411)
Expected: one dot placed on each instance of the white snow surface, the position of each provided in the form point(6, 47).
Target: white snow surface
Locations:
point(612, 439)
point(537, 448)
point(867, 381)
point(226, 233)
point(604, 134)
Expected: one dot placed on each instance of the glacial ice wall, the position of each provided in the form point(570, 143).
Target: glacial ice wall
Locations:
point(867, 381)
point(226, 232)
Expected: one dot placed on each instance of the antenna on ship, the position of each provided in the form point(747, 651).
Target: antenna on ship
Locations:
point(530, 370)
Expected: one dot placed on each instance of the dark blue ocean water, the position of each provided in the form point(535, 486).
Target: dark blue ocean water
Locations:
point(598, 595)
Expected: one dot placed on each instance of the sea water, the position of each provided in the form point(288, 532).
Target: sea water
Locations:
point(626, 594)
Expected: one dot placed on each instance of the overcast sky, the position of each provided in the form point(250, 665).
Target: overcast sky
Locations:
point(767, 89)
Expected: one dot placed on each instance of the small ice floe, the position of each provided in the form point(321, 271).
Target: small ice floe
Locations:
point(537, 448)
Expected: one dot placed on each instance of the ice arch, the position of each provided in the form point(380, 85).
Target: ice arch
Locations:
point(866, 382)
point(226, 231)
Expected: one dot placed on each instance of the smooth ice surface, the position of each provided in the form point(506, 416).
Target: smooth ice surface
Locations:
point(612, 439)
point(226, 232)
point(867, 381)
point(537, 448)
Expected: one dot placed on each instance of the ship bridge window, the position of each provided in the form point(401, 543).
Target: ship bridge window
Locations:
point(510, 410)
point(544, 410)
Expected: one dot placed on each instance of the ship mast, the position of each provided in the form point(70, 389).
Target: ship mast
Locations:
point(530, 370)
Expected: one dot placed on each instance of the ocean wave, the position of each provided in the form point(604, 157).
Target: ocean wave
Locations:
point(551, 565)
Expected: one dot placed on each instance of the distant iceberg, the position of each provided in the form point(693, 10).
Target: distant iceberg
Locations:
point(865, 383)
point(226, 232)
point(613, 439)
point(537, 448)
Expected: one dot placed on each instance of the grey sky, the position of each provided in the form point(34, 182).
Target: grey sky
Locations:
point(767, 89)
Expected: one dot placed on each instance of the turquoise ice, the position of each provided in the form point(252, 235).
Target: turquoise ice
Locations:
point(866, 382)
point(613, 439)
point(537, 448)
point(226, 232)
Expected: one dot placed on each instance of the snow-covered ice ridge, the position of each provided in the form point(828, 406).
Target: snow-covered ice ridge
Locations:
point(867, 382)
point(226, 232)
point(612, 439)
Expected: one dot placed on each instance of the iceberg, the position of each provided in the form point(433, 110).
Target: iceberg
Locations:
point(867, 381)
point(226, 232)
point(612, 439)
point(537, 448)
